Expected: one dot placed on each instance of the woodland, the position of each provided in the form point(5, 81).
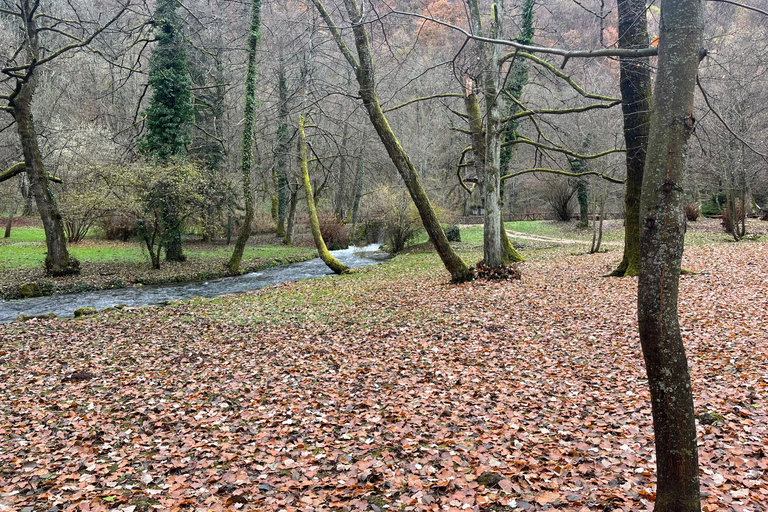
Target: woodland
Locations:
point(624, 376)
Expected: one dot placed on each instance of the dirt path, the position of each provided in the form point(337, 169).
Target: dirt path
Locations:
point(561, 241)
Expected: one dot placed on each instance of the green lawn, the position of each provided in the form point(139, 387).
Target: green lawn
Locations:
point(25, 249)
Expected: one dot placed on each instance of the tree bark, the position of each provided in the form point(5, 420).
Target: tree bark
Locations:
point(489, 55)
point(281, 153)
point(9, 225)
point(322, 249)
point(635, 85)
point(366, 80)
point(661, 247)
point(508, 253)
point(358, 193)
point(290, 218)
point(57, 259)
point(246, 161)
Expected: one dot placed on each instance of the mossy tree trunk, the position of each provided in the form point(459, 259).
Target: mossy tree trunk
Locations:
point(488, 55)
point(662, 209)
point(282, 152)
point(246, 162)
point(366, 80)
point(290, 216)
point(358, 193)
point(635, 84)
point(322, 249)
point(57, 259)
point(472, 105)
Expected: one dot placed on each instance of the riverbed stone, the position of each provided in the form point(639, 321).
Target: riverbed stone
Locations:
point(24, 318)
point(28, 290)
point(86, 311)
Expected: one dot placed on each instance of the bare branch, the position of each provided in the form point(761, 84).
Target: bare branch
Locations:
point(336, 35)
point(458, 170)
point(574, 110)
point(564, 173)
point(739, 4)
point(566, 54)
point(12, 171)
point(552, 69)
point(524, 140)
point(425, 98)
point(720, 118)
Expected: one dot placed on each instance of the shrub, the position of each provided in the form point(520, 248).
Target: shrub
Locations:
point(692, 211)
point(371, 231)
point(335, 233)
point(453, 233)
point(559, 194)
point(119, 226)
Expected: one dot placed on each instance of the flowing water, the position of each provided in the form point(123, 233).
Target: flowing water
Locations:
point(65, 305)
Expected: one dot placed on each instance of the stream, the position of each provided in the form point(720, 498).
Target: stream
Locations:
point(65, 305)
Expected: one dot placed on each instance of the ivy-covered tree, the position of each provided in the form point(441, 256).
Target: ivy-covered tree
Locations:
point(254, 35)
point(170, 114)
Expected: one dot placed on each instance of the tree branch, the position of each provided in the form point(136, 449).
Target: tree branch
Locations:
point(564, 173)
point(336, 35)
point(720, 118)
point(12, 171)
point(552, 69)
point(524, 140)
point(425, 98)
point(573, 110)
point(749, 7)
point(566, 54)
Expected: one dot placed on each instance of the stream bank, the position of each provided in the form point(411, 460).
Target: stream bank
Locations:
point(142, 295)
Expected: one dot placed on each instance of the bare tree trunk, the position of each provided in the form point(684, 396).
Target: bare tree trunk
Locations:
point(281, 152)
point(57, 260)
point(290, 218)
point(322, 249)
point(246, 161)
point(635, 84)
point(661, 247)
point(489, 56)
point(472, 105)
point(358, 194)
point(366, 80)
point(8, 225)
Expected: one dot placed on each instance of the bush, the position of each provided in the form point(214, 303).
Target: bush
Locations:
point(335, 233)
point(692, 211)
point(119, 226)
point(710, 209)
point(371, 231)
point(453, 233)
point(559, 194)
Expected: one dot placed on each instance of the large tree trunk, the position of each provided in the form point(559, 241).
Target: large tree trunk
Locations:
point(635, 84)
point(57, 260)
point(358, 194)
point(366, 80)
point(290, 217)
point(281, 152)
point(322, 249)
point(246, 161)
point(661, 247)
point(489, 56)
point(508, 253)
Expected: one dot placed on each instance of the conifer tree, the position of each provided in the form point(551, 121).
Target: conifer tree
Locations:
point(170, 114)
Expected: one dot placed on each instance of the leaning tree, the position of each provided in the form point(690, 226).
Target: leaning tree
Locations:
point(43, 37)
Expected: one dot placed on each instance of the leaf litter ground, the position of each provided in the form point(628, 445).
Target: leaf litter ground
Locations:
point(386, 390)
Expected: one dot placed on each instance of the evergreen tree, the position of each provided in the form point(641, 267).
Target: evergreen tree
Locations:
point(170, 114)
